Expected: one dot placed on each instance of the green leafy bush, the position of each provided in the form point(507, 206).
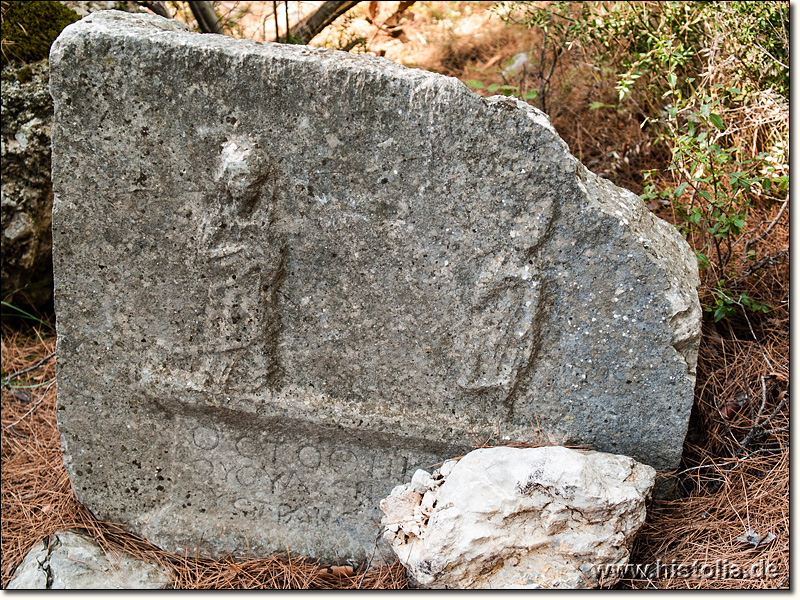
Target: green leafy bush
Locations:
point(711, 80)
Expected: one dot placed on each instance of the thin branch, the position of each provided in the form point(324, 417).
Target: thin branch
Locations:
point(776, 411)
point(326, 14)
point(750, 327)
point(767, 260)
point(771, 225)
point(729, 462)
point(776, 430)
point(27, 370)
point(31, 409)
point(206, 17)
point(157, 7)
point(353, 43)
point(785, 66)
point(275, 15)
point(763, 399)
point(286, 6)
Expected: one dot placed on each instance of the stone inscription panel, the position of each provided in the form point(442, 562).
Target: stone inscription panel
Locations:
point(275, 484)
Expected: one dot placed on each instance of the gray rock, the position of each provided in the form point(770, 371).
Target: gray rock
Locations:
point(31, 574)
point(26, 194)
point(537, 518)
point(288, 277)
point(67, 561)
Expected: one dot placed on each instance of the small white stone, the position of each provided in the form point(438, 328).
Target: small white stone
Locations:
point(421, 481)
point(428, 500)
point(77, 563)
point(447, 467)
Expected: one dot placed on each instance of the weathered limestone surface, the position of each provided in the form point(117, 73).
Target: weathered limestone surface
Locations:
point(67, 561)
point(288, 277)
point(548, 517)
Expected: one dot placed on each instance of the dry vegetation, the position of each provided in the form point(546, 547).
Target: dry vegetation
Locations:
point(734, 479)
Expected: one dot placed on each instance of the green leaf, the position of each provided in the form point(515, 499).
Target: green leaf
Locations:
point(717, 121)
point(494, 87)
point(24, 315)
point(596, 105)
point(531, 94)
point(673, 80)
point(680, 189)
point(702, 260)
point(474, 83)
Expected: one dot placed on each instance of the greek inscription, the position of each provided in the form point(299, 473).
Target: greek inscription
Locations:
point(342, 461)
point(309, 456)
point(255, 506)
point(245, 505)
point(205, 438)
point(248, 447)
point(227, 469)
point(247, 476)
point(273, 479)
point(286, 482)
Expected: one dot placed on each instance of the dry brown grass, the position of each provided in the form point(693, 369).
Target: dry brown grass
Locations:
point(735, 471)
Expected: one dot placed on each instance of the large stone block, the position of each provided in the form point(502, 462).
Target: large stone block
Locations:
point(288, 277)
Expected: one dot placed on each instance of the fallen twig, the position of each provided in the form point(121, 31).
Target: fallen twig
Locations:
point(27, 370)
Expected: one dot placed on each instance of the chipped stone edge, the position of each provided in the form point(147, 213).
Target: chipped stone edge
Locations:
point(677, 260)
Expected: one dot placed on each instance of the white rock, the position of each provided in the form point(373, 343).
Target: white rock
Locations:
point(447, 467)
point(67, 561)
point(421, 481)
point(399, 509)
point(520, 518)
point(428, 500)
